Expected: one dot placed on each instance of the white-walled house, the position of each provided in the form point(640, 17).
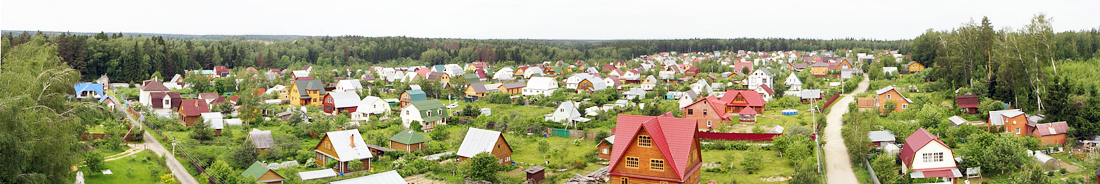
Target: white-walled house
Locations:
point(649, 83)
point(348, 85)
point(760, 77)
point(150, 86)
point(428, 113)
point(687, 99)
point(370, 105)
point(793, 82)
point(540, 86)
point(567, 114)
point(504, 74)
point(926, 156)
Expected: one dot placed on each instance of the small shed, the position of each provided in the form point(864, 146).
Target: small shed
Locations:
point(535, 174)
point(879, 138)
point(956, 121)
point(408, 141)
point(378, 150)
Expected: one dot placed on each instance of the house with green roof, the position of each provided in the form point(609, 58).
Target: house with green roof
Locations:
point(408, 141)
point(262, 174)
point(410, 96)
point(427, 113)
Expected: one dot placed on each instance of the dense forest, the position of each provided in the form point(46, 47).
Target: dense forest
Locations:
point(1030, 68)
point(128, 58)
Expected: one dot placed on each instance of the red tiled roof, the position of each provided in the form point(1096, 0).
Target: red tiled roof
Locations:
point(151, 85)
point(1046, 128)
point(716, 105)
point(673, 136)
point(194, 107)
point(747, 111)
point(738, 65)
point(767, 89)
point(915, 142)
point(609, 67)
point(753, 98)
point(967, 101)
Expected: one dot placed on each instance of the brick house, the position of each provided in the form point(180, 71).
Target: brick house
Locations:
point(1051, 133)
point(708, 113)
point(888, 94)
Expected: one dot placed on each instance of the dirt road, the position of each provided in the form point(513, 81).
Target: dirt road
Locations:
point(837, 163)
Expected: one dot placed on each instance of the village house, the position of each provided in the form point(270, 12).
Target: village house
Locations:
point(504, 74)
point(760, 77)
point(926, 156)
point(372, 105)
point(969, 103)
point(567, 114)
point(914, 67)
point(165, 100)
point(191, 110)
point(540, 86)
point(480, 141)
point(708, 113)
point(765, 92)
point(736, 100)
point(475, 90)
point(148, 87)
point(88, 90)
point(336, 102)
point(410, 96)
point(649, 83)
point(633, 93)
point(261, 139)
point(512, 88)
point(687, 98)
point(306, 92)
point(427, 113)
point(342, 147)
point(880, 138)
point(262, 174)
point(408, 141)
point(532, 72)
point(655, 149)
point(1051, 133)
point(819, 69)
point(590, 84)
point(845, 63)
point(214, 121)
point(348, 85)
point(603, 149)
point(890, 94)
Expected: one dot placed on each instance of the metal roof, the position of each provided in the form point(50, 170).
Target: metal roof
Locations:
point(477, 141)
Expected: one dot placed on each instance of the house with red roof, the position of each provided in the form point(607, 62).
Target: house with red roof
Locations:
point(708, 112)
point(655, 149)
point(737, 100)
point(926, 156)
point(969, 103)
point(190, 111)
point(1051, 133)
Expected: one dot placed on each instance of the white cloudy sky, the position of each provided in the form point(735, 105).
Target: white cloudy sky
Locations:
point(540, 19)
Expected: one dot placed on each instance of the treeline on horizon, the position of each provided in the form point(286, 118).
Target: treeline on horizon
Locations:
point(134, 58)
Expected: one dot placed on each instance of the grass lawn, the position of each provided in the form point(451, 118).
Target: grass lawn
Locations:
point(142, 169)
point(508, 109)
point(772, 167)
point(525, 149)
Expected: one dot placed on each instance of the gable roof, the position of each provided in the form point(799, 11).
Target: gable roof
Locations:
point(151, 85)
point(673, 136)
point(427, 105)
point(194, 107)
point(541, 83)
point(514, 85)
point(477, 141)
point(388, 177)
point(417, 95)
point(256, 170)
point(967, 101)
point(262, 139)
point(348, 145)
point(349, 84)
point(881, 136)
point(366, 102)
point(715, 105)
point(478, 87)
point(996, 119)
point(312, 84)
point(915, 142)
point(751, 97)
point(82, 87)
point(344, 99)
point(889, 88)
point(409, 137)
point(767, 89)
point(1054, 128)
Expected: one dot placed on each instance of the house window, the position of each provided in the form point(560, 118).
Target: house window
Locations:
point(1017, 130)
point(933, 157)
point(904, 106)
point(406, 112)
point(644, 141)
point(604, 151)
point(704, 112)
point(429, 113)
point(691, 111)
point(440, 111)
point(657, 164)
point(708, 123)
point(632, 162)
point(888, 96)
point(623, 180)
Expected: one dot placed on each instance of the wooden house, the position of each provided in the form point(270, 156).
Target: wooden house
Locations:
point(336, 102)
point(655, 149)
point(261, 139)
point(968, 103)
point(342, 147)
point(475, 90)
point(479, 141)
point(306, 92)
point(819, 69)
point(408, 141)
point(410, 96)
point(914, 67)
point(736, 100)
point(191, 110)
point(890, 94)
point(603, 149)
point(536, 174)
point(512, 88)
point(262, 174)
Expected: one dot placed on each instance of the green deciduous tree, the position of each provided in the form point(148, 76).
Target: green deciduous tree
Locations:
point(482, 166)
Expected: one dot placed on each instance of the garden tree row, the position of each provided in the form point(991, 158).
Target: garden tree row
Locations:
point(132, 59)
point(41, 126)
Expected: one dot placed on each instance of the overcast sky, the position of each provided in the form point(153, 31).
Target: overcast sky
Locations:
point(540, 19)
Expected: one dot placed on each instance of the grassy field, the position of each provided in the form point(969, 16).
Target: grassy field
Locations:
point(774, 167)
point(141, 169)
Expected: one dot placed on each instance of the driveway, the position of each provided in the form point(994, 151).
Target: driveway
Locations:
point(837, 163)
point(151, 143)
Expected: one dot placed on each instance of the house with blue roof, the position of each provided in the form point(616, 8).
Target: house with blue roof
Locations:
point(88, 90)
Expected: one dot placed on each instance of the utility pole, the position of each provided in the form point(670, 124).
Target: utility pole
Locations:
point(817, 139)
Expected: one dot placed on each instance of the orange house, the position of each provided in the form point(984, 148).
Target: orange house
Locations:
point(1016, 122)
point(820, 68)
point(480, 141)
point(845, 64)
point(603, 150)
point(736, 100)
point(915, 67)
point(191, 110)
point(708, 113)
point(1051, 133)
point(512, 88)
point(655, 149)
point(889, 94)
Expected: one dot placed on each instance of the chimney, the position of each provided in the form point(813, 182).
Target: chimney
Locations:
point(351, 140)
